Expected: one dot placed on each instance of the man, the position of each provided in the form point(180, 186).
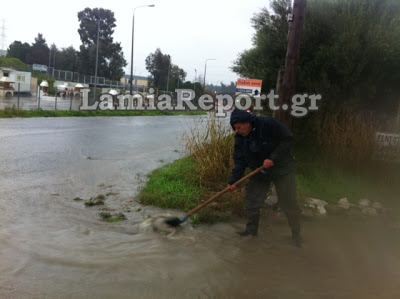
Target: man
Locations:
point(265, 141)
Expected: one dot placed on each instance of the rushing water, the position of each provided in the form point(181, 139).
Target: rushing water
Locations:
point(52, 246)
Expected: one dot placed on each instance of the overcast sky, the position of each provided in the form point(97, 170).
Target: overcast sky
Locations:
point(190, 31)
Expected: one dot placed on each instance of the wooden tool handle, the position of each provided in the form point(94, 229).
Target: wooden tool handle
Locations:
point(190, 213)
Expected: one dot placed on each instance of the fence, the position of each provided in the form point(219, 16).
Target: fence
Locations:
point(42, 102)
point(76, 77)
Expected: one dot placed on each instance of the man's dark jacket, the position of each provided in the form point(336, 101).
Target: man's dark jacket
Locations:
point(269, 139)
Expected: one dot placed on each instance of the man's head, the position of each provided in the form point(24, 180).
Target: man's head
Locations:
point(242, 121)
point(243, 129)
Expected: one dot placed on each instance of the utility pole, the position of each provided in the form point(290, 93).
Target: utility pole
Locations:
point(288, 86)
point(194, 81)
point(398, 119)
point(169, 68)
point(3, 35)
point(54, 60)
point(205, 71)
point(97, 61)
point(48, 69)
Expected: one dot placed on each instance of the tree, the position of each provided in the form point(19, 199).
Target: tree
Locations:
point(222, 88)
point(157, 64)
point(177, 76)
point(54, 57)
point(68, 59)
point(18, 50)
point(110, 56)
point(267, 56)
point(164, 74)
point(350, 51)
point(39, 52)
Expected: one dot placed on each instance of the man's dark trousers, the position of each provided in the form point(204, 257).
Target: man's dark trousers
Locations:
point(285, 186)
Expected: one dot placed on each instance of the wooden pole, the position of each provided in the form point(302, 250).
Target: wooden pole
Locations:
point(288, 87)
point(275, 113)
point(398, 119)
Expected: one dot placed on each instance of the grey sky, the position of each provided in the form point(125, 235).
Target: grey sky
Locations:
point(190, 31)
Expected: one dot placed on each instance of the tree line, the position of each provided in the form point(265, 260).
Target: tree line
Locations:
point(350, 52)
point(95, 24)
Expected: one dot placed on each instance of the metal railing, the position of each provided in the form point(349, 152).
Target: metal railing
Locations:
point(76, 77)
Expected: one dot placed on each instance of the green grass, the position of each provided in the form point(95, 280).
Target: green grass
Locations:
point(331, 186)
point(14, 63)
point(10, 112)
point(173, 186)
point(376, 181)
point(176, 186)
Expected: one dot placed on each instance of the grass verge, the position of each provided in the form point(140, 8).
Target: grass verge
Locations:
point(376, 183)
point(176, 186)
point(10, 112)
point(173, 186)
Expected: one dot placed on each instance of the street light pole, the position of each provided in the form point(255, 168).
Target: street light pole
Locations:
point(205, 70)
point(97, 61)
point(169, 67)
point(194, 82)
point(133, 34)
point(54, 60)
point(48, 69)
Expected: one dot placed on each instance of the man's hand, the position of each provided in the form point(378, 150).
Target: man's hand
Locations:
point(232, 187)
point(268, 163)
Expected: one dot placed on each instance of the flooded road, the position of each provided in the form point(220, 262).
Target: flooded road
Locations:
point(52, 246)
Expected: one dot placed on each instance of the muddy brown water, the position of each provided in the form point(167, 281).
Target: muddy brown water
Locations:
point(53, 247)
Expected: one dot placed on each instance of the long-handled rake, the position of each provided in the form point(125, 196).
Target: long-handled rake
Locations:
point(175, 221)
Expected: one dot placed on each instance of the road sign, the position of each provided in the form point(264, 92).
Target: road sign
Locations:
point(249, 86)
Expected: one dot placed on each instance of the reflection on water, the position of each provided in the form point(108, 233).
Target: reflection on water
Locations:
point(54, 247)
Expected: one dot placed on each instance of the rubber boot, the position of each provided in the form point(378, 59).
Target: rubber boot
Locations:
point(294, 224)
point(251, 226)
point(297, 241)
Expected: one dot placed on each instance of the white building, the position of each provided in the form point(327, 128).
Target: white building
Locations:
point(16, 76)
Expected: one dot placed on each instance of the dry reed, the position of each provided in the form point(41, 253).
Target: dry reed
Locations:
point(211, 143)
point(347, 137)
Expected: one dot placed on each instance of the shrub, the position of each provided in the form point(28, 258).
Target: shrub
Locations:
point(347, 137)
point(211, 144)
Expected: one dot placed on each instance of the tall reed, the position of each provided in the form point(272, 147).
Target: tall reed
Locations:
point(347, 137)
point(210, 142)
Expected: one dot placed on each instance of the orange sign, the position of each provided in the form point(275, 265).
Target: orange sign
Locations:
point(249, 83)
point(249, 86)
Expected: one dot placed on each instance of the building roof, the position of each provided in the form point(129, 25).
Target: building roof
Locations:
point(44, 84)
point(10, 69)
point(7, 68)
point(6, 79)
